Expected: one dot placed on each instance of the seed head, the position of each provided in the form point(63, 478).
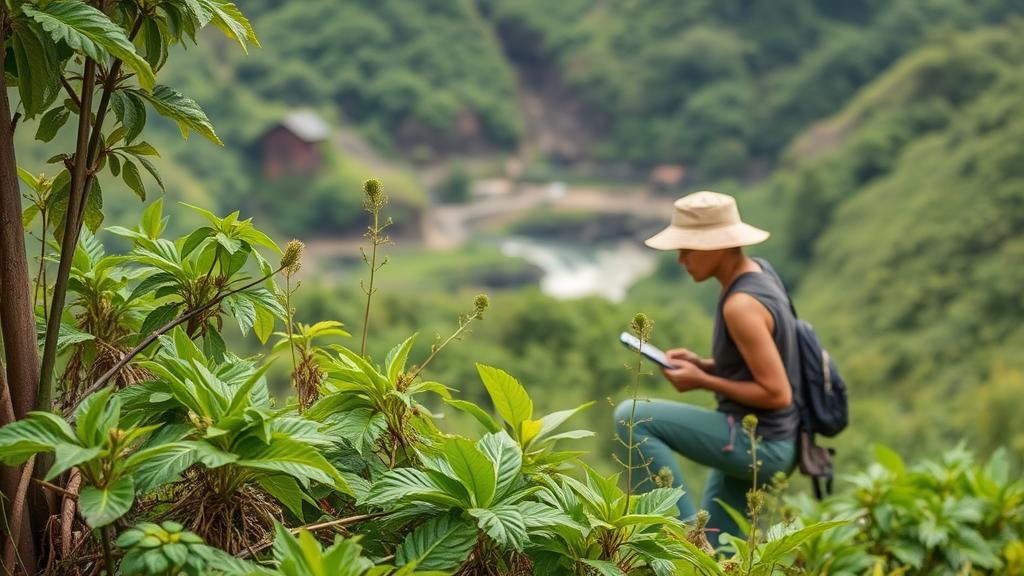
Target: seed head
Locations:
point(375, 197)
point(664, 478)
point(292, 259)
point(749, 423)
point(642, 326)
point(480, 304)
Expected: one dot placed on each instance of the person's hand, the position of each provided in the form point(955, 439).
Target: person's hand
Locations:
point(682, 355)
point(686, 376)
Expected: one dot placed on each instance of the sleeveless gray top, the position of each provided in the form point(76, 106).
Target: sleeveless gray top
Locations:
point(767, 288)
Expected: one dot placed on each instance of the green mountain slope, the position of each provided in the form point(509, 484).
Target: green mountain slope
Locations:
point(915, 273)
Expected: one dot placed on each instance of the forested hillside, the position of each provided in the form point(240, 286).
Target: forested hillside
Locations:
point(917, 229)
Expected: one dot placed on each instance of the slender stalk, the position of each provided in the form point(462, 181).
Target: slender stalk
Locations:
point(630, 425)
point(369, 291)
point(288, 328)
point(437, 349)
point(87, 152)
point(76, 200)
point(108, 559)
point(163, 330)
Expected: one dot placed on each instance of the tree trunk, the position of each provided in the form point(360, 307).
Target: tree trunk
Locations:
point(10, 478)
point(17, 319)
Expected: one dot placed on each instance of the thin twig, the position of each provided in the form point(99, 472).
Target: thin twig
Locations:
point(313, 527)
point(55, 488)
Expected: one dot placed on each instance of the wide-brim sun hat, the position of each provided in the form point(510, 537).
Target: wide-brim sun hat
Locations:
point(706, 221)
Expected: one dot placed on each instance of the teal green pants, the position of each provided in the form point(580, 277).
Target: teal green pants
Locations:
point(706, 437)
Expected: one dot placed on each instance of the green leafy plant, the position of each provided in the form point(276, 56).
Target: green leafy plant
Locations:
point(467, 489)
point(536, 437)
point(245, 449)
point(164, 549)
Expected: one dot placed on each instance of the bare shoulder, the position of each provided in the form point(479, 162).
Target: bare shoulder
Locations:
point(742, 309)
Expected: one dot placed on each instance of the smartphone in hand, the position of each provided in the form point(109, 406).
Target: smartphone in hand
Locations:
point(649, 351)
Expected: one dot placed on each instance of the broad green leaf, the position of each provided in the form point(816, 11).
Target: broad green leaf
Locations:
point(397, 357)
point(889, 459)
point(131, 177)
point(160, 465)
point(96, 416)
point(528, 430)
point(658, 501)
point(775, 551)
point(131, 112)
point(476, 412)
point(29, 214)
point(101, 506)
point(552, 421)
point(443, 543)
point(504, 524)
point(263, 327)
point(230, 20)
point(67, 456)
point(472, 469)
point(153, 222)
point(183, 110)
point(285, 490)
point(604, 567)
point(159, 317)
point(408, 484)
point(90, 32)
point(38, 66)
point(51, 122)
point(509, 397)
point(294, 458)
point(506, 457)
point(151, 168)
point(360, 428)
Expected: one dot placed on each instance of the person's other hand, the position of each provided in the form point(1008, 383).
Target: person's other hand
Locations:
point(685, 377)
point(684, 355)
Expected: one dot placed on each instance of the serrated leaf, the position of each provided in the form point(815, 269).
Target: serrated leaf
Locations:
point(443, 543)
point(508, 395)
point(230, 20)
point(130, 174)
point(504, 524)
point(183, 110)
point(163, 464)
point(90, 32)
point(360, 427)
point(131, 111)
point(159, 317)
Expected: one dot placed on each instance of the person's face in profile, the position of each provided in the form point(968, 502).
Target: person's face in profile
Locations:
point(699, 264)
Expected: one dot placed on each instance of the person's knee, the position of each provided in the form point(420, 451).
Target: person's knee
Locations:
point(623, 412)
point(626, 412)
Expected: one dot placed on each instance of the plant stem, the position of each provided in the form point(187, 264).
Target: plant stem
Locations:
point(76, 200)
point(288, 327)
point(437, 350)
point(630, 425)
point(374, 232)
point(108, 559)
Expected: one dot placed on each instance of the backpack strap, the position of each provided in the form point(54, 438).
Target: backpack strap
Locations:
point(767, 268)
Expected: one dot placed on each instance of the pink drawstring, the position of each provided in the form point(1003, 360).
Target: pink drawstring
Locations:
point(732, 434)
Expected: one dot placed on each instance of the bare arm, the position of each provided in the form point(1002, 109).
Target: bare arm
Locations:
point(750, 325)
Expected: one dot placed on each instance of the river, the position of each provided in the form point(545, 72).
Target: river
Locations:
point(572, 270)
